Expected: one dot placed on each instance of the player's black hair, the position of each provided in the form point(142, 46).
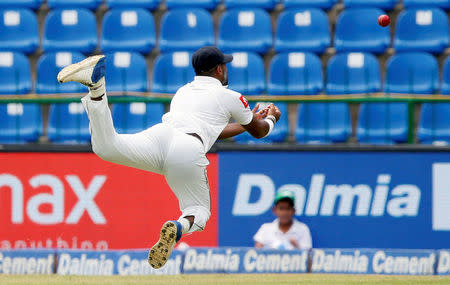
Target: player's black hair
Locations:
point(210, 72)
point(291, 203)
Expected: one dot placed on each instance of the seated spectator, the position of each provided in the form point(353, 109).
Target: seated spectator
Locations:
point(285, 232)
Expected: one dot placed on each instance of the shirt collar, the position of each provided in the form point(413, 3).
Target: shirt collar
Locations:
point(277, 224)
point(207, 79)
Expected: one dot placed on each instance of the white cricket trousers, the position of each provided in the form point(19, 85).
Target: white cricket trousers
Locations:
point(160, 149)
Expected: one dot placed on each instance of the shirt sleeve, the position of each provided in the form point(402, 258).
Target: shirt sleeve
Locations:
point(238, 107)
point(304, 240)
point(259, 236)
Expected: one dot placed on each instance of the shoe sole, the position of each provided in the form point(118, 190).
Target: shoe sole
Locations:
point(87, 63)
point(160, 252)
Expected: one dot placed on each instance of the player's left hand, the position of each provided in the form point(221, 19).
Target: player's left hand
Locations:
point(294, 243)
point(261, 114)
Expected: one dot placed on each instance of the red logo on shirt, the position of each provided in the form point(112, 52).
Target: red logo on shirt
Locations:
point(244, 101)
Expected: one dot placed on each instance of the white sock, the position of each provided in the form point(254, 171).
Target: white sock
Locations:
point(98, 89)
point(185, 224)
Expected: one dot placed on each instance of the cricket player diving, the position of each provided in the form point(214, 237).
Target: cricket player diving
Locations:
point(199, 114)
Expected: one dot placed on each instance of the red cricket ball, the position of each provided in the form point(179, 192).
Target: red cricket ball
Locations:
point(384, 20)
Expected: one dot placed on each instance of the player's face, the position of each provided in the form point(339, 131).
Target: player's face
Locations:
point(223, 74)
point(284, 211)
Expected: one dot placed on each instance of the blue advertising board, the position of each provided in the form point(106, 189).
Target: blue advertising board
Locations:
point(243, 260)
point(443, 267)
point(348, 199)
point(230, 260)
point(76, 262)
point(31, 261)
point(374, 261)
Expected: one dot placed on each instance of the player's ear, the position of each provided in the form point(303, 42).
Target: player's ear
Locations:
point(219, 69)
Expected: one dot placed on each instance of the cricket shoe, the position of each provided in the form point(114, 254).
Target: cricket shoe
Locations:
point(170, 234)
point(89, 72)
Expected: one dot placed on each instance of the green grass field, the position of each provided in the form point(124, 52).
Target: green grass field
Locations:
point(310, 279)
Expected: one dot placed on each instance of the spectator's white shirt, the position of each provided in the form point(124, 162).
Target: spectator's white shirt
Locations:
point(272, 237)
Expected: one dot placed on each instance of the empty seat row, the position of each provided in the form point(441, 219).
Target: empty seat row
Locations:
point(301, 73)
point(300, 30)
point(94, 4)
point(68, 123)
point(288, 74)
point(381, 123)
point(415, 73)
point(211, 4)
point(239, 30)
point(378, 123)
point(389, 4)
point(153, 4)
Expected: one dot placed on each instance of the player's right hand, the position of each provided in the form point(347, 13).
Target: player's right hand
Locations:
point(274, 111)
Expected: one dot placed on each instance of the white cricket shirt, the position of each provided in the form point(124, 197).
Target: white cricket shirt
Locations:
point(271, 237)
point(205, 107)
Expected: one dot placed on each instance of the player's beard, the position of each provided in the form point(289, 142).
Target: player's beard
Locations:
point(225, 79)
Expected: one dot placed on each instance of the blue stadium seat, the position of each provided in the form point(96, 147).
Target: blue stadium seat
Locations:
point(295, 74)
point(126, 72)
point(322, 123)
point(279, 133)
point(89, 4)
point(15, 74)
point(19, 31)
point(325, 123)
point(427, 3)
point(265, 4)
point(32, 4)
point(19, 123)
point(349, 73)
point(301, 73)
point(135, 117)
point(207, 4)
point(422, 30)
point(353, 73)
point(413, 73)
point(357, 29)
point(147, 4)
point(246, 74)
point(128, 30)
point(67, 122)
point(70, 30)
point(302, 30)
point(171, 71)
point(383, 123)
point(382, 4)
point(245, 30)
point(324, 4)
point(186, 29)
point(446, 77)
point(387, 123)
point(47, 69)
point(434, 125)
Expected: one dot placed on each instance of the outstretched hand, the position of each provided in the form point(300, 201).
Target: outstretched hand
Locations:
point(261, 114)
point(274, 111)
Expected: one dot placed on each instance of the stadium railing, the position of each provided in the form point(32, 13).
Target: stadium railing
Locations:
point(148, 97)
